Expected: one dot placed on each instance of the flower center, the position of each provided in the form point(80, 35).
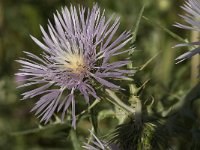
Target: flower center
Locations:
point(75, 62)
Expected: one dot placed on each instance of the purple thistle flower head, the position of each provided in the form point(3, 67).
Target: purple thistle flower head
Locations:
point(76, 51)
point(192, 18)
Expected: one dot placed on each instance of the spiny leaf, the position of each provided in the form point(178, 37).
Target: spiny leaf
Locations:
point(136, 27)
point(149, 61)
point(183, 105)
point(172, 34)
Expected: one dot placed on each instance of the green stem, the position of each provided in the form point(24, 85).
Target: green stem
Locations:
point(90, 136)
point(138, 111)
point(135, 99)
point(39, 129)
point(118, 102)
point(194, 61)
point(1, 33)
point(75, 140)
point(87, 110)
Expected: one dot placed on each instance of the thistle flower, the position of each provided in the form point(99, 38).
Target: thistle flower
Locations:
point(192, 18)
point(76, 52)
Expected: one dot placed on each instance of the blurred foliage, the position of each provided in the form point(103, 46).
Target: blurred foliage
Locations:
point(167, 96)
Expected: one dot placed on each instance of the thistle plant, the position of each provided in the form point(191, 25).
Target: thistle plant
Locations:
point(82, 57)
point(192, 19)
point(76, 53)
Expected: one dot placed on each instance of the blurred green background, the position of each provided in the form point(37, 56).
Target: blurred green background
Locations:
point(168, 83)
